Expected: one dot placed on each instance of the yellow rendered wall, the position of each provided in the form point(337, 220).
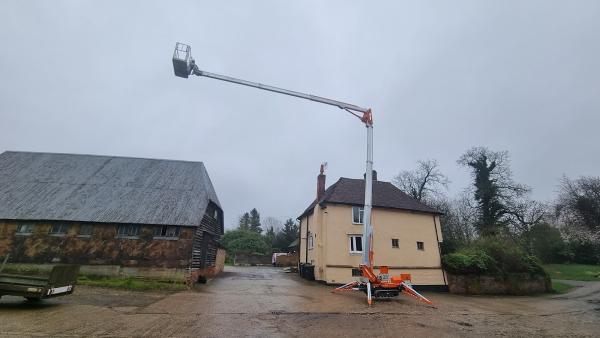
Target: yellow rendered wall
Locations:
point(406, 226)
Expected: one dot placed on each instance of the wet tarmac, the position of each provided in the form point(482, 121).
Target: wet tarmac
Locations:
point(267, 302)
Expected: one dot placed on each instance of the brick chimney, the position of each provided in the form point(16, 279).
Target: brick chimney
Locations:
point(374, 175)
point(321, 182)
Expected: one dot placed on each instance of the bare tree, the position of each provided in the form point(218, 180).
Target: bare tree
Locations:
point(424, 183)
point(523, 216)
point(579, 202)
point(457, 221)
point(272, 223)
point(526, 213)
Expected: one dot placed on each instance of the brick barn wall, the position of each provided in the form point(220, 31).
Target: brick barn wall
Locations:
point(101, 248)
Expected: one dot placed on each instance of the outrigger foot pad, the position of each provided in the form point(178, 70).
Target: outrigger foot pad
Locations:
point(407, 289)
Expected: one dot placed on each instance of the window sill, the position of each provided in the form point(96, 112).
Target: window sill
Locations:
point(166, 238)
point(84, 236)
point(24, 234)
point(356, 253)
point(127, 237)
point(357, 223)
point(58, 235)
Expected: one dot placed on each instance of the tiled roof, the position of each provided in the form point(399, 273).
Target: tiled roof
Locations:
point(385, 195)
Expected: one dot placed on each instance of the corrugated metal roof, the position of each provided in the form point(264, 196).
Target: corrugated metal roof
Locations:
point(45, 186)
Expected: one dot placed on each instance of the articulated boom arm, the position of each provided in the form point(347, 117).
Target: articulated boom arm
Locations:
point(184, 65)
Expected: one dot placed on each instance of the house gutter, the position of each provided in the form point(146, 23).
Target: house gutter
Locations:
point(306, 246)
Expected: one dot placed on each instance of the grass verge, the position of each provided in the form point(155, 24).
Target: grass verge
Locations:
point(135, 284)
point(559, 287)
point(573, 271)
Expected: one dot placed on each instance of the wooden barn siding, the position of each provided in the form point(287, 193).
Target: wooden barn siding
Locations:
point(99, 249)
point(206, 239)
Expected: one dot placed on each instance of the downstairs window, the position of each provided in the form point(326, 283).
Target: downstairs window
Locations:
point(355, 244)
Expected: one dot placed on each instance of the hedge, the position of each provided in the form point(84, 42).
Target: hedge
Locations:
point(491, 256)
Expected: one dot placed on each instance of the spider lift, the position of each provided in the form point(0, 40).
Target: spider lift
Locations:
point(375, 286)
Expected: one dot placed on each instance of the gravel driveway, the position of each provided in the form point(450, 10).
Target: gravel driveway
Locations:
point(264, 301)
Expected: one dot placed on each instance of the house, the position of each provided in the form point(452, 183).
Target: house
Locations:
point(109, 211)
point(406, 233)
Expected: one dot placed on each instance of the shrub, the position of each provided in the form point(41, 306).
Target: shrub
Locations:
point(492, 256)
point(547, 244)
point(468, 261)
point(244, 241)
point(585, 251)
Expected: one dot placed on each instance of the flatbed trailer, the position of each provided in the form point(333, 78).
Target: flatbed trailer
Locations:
point(60, 282)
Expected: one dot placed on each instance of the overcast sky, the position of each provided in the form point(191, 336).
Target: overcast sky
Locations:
point(441, 77)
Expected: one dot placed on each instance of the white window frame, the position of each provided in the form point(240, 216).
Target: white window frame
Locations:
point(310, 241)
point(352, 244)
point(86, 226)
point(63, 229)
point(168, 232)
point(128, 233)
point(28, 227)
point(361, 214)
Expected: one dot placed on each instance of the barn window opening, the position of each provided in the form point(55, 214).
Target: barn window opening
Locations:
point(166, 232)
point(420, 246)
point(355, 244)
point(25, 229)
point(395, 243)
point(357, 215)
point(59, 229)
point(128, 230)
point(85, 230)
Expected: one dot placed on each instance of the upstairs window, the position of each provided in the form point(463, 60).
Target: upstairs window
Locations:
point(166, 232)
point(357, 215)
point(355, 244)
point(128, 230)
point(309, 240)
point(395, 243)
point(59, 229)
point(85, 230)
point(25, 229)
point(421, 246)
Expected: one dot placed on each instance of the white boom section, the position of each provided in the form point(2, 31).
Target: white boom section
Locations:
point(367, 230)
point(315, 98)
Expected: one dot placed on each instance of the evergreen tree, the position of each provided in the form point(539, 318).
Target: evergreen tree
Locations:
point(245, 222)
point(255, 221)
point(290, 231)
point(270, 237)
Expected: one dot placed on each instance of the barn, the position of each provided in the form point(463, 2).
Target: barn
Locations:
point(136, 213)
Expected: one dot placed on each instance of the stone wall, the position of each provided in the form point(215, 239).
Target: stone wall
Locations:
point(287, 260)
point(114, 271)
point(101, 248)
point(513, 284)
point(252, 259)
point(201, 275)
